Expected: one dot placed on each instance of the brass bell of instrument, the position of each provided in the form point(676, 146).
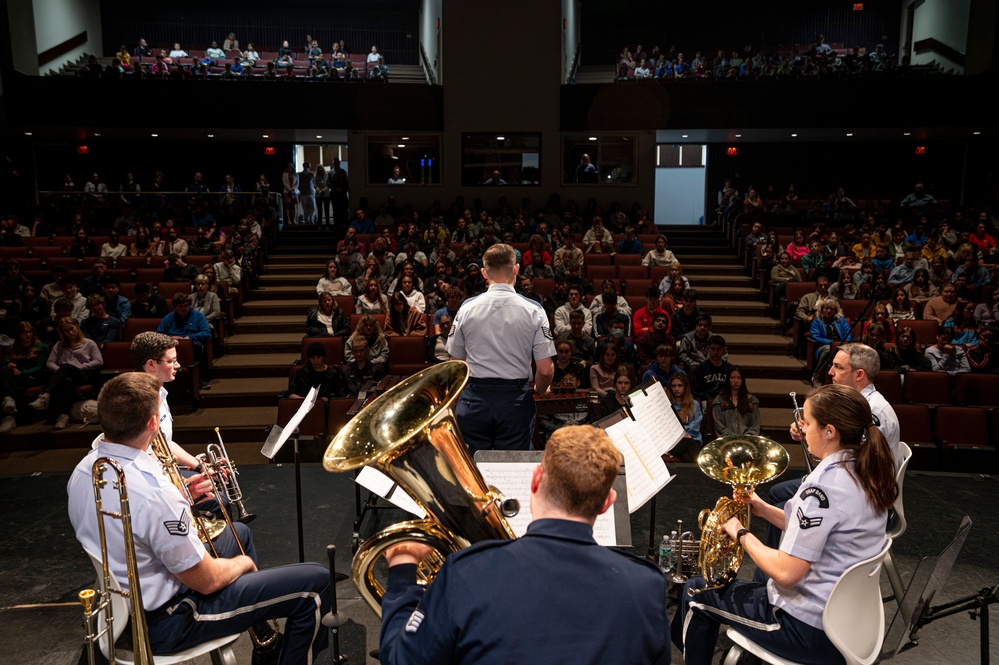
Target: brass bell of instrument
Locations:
point(743, 462)
point(410, 433)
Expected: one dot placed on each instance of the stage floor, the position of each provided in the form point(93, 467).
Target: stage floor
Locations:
point(43, 567)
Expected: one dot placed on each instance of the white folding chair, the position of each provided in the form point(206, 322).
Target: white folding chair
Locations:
point(853, 620)
point(897, 526)
point(219, 649)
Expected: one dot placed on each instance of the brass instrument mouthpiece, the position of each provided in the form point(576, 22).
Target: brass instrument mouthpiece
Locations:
point(87, 599)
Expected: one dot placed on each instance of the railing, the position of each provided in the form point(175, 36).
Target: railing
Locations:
point(149, 200)
point(428, 68)
point(931, 45)
point(571, 76)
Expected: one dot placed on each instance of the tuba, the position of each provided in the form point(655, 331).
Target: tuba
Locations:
point(410, 434)
point(142, 651)
point(743, 462)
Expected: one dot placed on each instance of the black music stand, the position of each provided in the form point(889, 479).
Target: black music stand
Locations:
point(929, 578)
point(334, 619)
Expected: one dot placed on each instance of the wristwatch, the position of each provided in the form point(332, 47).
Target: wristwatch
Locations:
point(740, 534)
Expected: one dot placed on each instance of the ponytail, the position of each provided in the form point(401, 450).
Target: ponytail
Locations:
point(874, 469)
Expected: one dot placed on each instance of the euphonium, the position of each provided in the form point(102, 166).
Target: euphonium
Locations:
point(743, 462)
point(410, 433)
point(142, 652)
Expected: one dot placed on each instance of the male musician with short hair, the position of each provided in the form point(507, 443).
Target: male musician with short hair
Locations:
point(552, 595)
point(189, 597)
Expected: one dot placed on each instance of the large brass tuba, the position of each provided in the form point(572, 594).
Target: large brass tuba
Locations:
point(410, 434)
point(743, 462)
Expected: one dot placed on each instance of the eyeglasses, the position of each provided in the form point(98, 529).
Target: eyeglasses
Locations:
point(170, 362)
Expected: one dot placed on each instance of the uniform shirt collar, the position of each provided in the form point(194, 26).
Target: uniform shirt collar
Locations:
point(501, 287)
point(143, 460)
point(562, 530)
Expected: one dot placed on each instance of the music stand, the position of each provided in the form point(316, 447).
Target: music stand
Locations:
point(929, 578)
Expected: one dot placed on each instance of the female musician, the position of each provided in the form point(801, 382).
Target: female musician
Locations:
point(836, 519)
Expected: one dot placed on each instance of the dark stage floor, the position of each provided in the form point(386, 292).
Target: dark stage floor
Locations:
point(44, 567)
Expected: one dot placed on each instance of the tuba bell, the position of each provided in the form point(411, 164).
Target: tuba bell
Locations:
point(743, 462)
point(410, 434)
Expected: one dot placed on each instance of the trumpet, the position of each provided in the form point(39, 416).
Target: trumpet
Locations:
point(798, 414)
point(142, 651)
point(224, 480)
point(208, 528)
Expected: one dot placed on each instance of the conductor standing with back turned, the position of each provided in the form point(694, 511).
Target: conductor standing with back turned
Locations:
point(497, 334)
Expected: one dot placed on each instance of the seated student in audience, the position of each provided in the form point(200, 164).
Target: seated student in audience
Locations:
point(317, 374)
point(673, 300)
point(629, 244)
point(844, 288)
point(332, 283)
point(609, 314)
point(642, 321)
point(94, 283)
point(567, 252)
point(688, 412)
point(537, 248)
point(693, 347)
point(921, 288)
point(47, 329)
point(940, 308)
point(407, 288)
point(371, 300)
point(558, 297)
point(813, 263)
point(944, 356)
point(674, 274)
point(406, 268)
point(660, 256)
point(987, 312)
point(228, 270)
point(326, 319)
point(177, 271)
point(100, 326)
point(900, 308)
point(32, 308)
point(907, 354)
point(782, 273)
point(940, 274)
point(617, 398)
point(82, 246)
point(142, 246)
point(981, 239)
point(663, 367)
point(865, 249)
point(525, 287)
point(603, 371)
point(23, 367)
point(707, 378)
point(882, 262)
point(73, 362)
point(983, 357)
point(565, 363)
point(360, 367)
point(978, 275)
point(185, 323)
point(905, 272)
point(797, 248)
point(404, 320)
point(474, 283)
point(112, 249)
point(735, 411)
point(626, 352)
point(69, 292)
point(598, 240)
point(574, 303)
point(148, 305)
point(874, 337)
point(583, 345)
point(932, 249)
point(880, 314)
point(377, 348)
point(13, 281)
point(440, 341)
point(828, 327)
point(865, 275)
point(963, 325)
point(684, 319)
point(660, 334)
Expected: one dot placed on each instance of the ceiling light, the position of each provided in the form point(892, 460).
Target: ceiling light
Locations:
point(906, 133)
point(27, 133)
point(154, 135)
point(976, 133)
point(500, 138)
point(849, 133)
point(319, 136)
point(211, 136)
point(266, 136)
point(401, 145)
point(405, 138)
point(96, 134)
point(593, 138)
point(738, 136)
point(794, 136)
point(683, 136)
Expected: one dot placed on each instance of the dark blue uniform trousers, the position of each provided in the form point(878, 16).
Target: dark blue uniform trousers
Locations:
point(744, 606)
point(299, 592)
point(496, 414)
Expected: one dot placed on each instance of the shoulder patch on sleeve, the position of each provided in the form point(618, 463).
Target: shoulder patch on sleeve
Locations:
point(415, 619)
point(819, 494)
point(547, 332)
point(806, 522)
point(179, 526)
point(876, 420)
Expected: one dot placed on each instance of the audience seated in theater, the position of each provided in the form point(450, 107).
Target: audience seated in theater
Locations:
point(47, 328)
point(684, 319)
point(440, 341)
point(100, 326)
point(900, 308)
point(642, 322)
point(568, 251)
point(674, 274)
point(797, 248)
point(707, 378)
point(807, 308)
point(688, 412)
point(977, 275)
point(664, 366)
point(565, 364)
point(932, 249)
point(617, 398)
point(73, 362)
point(13, 280)
point(941, 307)
point(921, 288)
point(93, 284)
point(735, 411)
point(597, 305)
point(813, 263)
point(332, 283)
point(574, 303)
point(874, 337)
point(360, 367)
point(31, 308)
point(907, 353)
point(371, 300)
point(828, 327)
point(881, 314)
point(660, 256)
point(693, 347)
point(112, 248)
point(987, 312)
point(660, 334)
point(844, 288)
point(185, 323)
point(142, 245)
point(982, 357)
point(583, 344)
point(598, 240)
point(984, 241)
point(945, 356)
point(865, 249)
point(882, 262)
point(403, 319)
point(82, 246)
point(626, 352)
point(603, 371)
point(23, 367)
point(317, 374)
point(629, 244)
point(370, 329)
point(207, 302)
point(70, 292)
point(177, 271)
point(963, 325)
point(326, 319)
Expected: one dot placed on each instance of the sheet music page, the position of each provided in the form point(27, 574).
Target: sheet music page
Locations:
point(271, 448)
point(646, 471)
point(374, 480)
point(513, 480)
point(656, 415)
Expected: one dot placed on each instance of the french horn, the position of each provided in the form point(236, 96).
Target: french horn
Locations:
point(410, 433)
point(743, 462)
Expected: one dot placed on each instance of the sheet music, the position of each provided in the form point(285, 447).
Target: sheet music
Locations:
point(646, 471)
point(374, 480)
point(513, 480)
point(278, 435)
point(655, 413)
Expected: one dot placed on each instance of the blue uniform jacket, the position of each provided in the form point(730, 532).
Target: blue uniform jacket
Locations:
point(552, 596)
